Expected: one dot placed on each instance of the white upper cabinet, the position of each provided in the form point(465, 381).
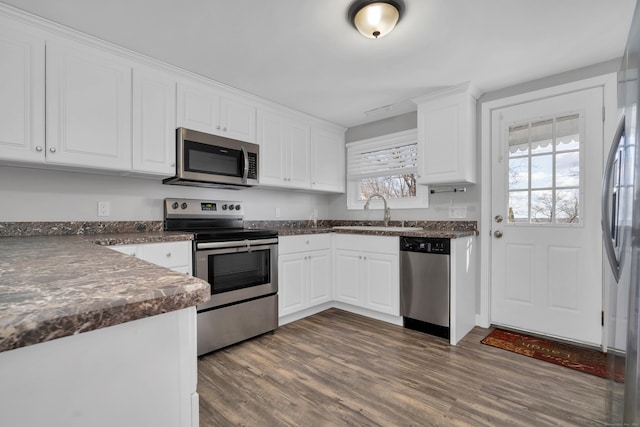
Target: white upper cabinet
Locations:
point(446, 136)
point(88, 107)
point(154, 122)
point(205, 109)
point(284, 151)
point(22, 76)
point(327, 160)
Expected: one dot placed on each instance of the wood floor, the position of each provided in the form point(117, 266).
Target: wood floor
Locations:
point(337, 368)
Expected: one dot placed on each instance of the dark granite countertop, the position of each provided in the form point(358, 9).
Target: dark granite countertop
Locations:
point(447, 234)
point(56, 280)
point(433, 229)
point(57, 286)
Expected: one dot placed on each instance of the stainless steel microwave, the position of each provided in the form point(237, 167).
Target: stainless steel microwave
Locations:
point(205, 160)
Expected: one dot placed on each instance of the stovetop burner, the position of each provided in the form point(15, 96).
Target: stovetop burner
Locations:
point(210, 220)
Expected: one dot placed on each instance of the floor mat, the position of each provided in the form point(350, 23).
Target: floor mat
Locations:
point(579, 358)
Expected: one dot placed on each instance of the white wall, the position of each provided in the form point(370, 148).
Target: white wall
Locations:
point(28, 194)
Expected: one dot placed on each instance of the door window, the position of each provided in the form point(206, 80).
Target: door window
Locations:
point(545, 168)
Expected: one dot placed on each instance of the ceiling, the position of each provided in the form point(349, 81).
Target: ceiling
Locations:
point(304, 54)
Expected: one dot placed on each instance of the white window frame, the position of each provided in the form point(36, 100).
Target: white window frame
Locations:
point(422, 191)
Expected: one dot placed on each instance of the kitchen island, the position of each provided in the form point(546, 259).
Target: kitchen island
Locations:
point(89, 336)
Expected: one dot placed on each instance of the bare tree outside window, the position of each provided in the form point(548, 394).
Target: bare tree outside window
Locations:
point(391, 187)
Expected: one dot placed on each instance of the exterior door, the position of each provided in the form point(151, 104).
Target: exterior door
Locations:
point(546, 272)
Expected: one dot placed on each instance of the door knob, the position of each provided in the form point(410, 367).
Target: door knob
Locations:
point(497, 234)
point(498, 218)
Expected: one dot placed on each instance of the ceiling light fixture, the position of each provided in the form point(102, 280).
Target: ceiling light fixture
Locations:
point(375, 19)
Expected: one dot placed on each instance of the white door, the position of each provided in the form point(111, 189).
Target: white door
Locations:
point(546, 273)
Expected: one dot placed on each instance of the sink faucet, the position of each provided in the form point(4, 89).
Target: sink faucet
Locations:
point(387, 211)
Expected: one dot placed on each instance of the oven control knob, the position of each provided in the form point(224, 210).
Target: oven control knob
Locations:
point(175, 205)
point(237, 207)
point(184, 205)
point(224, 207)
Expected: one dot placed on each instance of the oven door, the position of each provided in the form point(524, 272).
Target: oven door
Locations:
point(237, 271)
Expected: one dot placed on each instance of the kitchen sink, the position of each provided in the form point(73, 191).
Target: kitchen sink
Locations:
point(375, 228)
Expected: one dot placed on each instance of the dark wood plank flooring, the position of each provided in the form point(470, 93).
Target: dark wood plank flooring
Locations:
point(338, 368)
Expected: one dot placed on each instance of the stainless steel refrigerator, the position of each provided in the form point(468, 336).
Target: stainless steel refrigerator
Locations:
point(621, 233)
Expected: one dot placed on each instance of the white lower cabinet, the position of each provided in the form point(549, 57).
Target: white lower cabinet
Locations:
point(367, 278)
point(304, 270)
point(172, 255)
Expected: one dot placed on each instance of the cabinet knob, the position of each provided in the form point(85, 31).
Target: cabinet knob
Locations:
point(218, 127)
point(173, 164)
point(365, 258)
point(360, 257)
point(307, 242)
point(168, 254)
point(52, 149)
point(132, 254)
point(224, 129)
point(38, 149)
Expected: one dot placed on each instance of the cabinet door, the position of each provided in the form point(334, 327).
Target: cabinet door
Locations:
point(298, 154)
point(319, 275)
point(381, 283)
point(292, 282)
point(154, 122)
point(439, 136)
point(271, 138)
point(198, 108)
point(88, 107)
point(21, 95)
point(327, 161)
point(348, 273)
point(237, 119)
point(446, 136)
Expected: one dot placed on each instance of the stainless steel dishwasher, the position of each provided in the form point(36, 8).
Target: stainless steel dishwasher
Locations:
point(424, 284)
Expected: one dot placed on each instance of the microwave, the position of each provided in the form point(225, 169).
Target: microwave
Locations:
point(205, 160)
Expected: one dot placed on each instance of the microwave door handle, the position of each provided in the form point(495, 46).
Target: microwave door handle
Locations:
point(606, 196)
point(245, 172)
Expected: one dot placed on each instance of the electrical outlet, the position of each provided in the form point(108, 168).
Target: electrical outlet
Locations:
point(103, 208)
point(458, 213)
point(277, 212)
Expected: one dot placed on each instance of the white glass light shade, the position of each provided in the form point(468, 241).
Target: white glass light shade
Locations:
point(376, 20)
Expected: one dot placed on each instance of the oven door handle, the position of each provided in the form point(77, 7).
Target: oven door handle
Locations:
point(235, 244)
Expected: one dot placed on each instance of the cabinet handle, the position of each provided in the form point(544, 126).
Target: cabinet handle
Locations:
point(168, 254)
point(38, 149)
point(365, 258)
point(132, 254)
point(359, 256)
point(52, 149)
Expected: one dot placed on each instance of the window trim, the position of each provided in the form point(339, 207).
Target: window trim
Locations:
point(421, 200)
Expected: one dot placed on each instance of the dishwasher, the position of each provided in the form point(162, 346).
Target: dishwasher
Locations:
point(424, 284)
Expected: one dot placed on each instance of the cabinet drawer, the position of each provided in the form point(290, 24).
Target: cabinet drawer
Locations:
point(303, 243)
point(378, 244)
point(168, 254)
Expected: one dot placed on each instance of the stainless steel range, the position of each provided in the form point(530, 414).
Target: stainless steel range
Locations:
point(240, 265)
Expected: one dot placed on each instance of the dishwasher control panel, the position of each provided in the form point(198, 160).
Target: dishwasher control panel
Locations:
point(426, 245)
